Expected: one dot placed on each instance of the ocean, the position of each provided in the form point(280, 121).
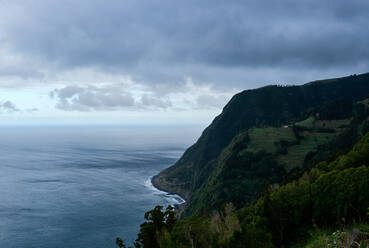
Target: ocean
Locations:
point(81, 187)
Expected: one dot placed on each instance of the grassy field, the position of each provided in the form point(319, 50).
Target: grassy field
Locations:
point(269, 139)
point(311, 122)
point(297, 153)
point(266, 138)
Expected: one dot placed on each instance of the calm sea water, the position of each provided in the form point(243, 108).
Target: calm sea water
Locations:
point(81, 186)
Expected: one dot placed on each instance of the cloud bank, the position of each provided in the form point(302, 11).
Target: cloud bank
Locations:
point(136, 97)
point(115, 55)
point(225, 42)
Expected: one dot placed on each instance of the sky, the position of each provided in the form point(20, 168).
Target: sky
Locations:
point(166, 62)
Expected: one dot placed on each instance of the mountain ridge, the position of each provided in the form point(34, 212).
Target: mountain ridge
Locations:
point(268, 106)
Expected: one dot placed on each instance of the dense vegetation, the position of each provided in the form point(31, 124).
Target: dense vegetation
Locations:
point(325, 196)
point(274, 155)
point(267, 107)
point(280, 167)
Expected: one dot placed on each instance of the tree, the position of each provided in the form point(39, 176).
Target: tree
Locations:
point(158, 222)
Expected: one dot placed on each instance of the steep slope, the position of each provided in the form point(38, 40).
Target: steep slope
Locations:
point(329, 196)
point(271, 106)
point(272, 155)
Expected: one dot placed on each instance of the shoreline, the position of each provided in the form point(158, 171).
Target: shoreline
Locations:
point(180, 200)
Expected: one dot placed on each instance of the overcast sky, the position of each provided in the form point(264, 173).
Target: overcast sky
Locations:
point(166, 61)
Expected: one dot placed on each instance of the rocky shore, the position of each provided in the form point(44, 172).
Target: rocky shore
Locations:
point(159, 182)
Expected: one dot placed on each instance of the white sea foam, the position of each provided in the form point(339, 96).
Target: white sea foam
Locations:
point(174, 199)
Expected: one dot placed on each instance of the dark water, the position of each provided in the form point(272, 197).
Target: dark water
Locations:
point(81, 186)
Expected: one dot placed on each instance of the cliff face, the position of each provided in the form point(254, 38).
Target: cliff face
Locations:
point(175, 187)
point(270, 106)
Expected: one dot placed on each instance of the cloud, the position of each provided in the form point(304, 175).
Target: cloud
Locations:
point(210, 101)
point(154, 101)
point(87, 98)
point(32, 110)
point(222, 42)
point(135, 96)
point(8, 107)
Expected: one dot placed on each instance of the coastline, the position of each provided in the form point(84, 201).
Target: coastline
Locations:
point(176, 197)
point(160, 182)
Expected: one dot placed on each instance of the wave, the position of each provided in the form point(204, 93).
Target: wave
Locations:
point(175, 199)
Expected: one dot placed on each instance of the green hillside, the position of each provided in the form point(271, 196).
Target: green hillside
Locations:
point(280, 167)
point(326, 206)
point(269, 155)
point(268, 136)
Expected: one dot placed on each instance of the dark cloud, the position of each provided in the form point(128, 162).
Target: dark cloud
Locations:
point(211, 40)
point(8, 107)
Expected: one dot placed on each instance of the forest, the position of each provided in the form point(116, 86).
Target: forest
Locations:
point(280, 167)
point(328, 196)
